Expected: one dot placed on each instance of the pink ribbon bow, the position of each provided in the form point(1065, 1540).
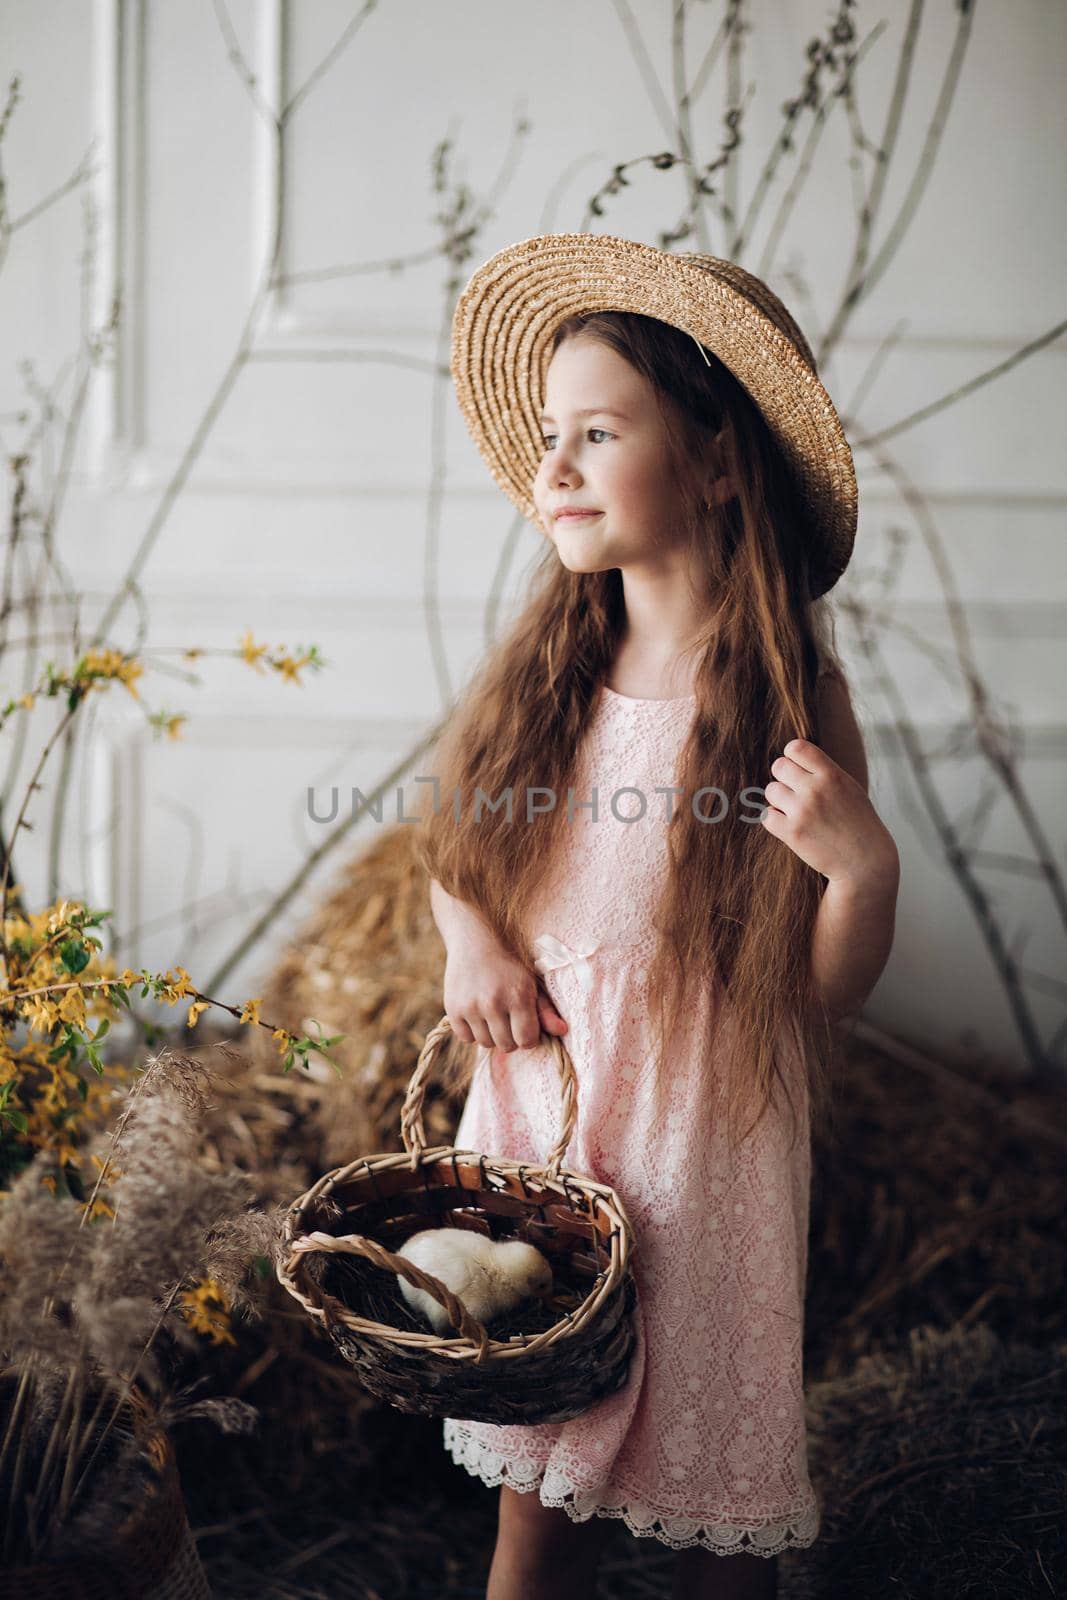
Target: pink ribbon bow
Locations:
point(552, 954)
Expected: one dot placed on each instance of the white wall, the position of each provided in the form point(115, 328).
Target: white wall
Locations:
point(336, 455)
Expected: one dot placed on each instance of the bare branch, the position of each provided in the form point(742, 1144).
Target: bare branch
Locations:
point(931, 409)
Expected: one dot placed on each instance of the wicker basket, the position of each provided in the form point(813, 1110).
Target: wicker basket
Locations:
point(544, 1361)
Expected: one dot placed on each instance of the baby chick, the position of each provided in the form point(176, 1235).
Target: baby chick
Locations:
point(488, 1275)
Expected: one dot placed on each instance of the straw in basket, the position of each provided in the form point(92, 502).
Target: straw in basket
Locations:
point(541, 1362)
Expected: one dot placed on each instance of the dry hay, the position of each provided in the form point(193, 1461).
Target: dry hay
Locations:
point(368, 963)
point(937, 1206)
point(940, 1472)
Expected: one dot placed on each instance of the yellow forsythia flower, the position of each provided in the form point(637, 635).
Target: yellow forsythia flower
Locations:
point(175, 989)
point(205, 1309)
point(250, 1012)
point(60, 914)
point(72, 1007)
point(252, 651)
point(41, 1013)
point(289, 666)
point(111, 664)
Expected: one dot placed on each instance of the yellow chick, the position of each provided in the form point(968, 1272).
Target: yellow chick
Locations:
point(488, 1275)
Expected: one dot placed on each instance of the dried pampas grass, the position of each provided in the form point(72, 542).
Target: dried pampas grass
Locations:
point(89, 1316)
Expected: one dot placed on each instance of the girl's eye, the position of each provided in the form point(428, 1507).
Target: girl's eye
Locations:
point(547, 436)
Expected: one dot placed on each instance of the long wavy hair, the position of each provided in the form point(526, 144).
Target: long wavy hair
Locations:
point(738, 908)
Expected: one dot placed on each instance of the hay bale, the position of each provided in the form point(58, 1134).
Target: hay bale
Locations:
point(933, 1202)
point(367, 963)
point(941, 1470)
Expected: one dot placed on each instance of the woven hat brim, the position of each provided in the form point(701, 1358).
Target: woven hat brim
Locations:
point(512, 304)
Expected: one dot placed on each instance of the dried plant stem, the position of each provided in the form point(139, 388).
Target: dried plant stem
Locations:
point(711, 55)
point(289, 891)
point(23, 1395)
point(868, 441)
point(924, 165)
point(124, 1393)
point(684, 121)
point(644, 66)
point(861, 277)
point(31, 786)
point(731, 176)
point(16, 1409)
point(990, 739)
point(804, 168)
point(116, 1135)
point(71, 1459)
point(957, 860)
point(57, 1435)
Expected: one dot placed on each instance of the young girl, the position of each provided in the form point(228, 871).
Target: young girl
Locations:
point(691, 885)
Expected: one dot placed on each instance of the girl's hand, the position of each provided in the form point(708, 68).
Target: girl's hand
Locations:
point(493, 1000)
point(824, 816)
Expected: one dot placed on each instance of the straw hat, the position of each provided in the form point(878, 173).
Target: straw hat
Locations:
point(502, 331)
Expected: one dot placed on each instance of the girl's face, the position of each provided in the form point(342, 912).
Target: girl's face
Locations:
point(606, 452)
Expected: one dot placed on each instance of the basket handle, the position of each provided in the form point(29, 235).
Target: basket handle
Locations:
point(411, 1128)
point(356, 1244)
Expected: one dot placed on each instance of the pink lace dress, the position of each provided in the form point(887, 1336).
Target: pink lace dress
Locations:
point(706, 1442)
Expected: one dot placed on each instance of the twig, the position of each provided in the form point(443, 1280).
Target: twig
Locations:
point(804, 166)
point(955, 1081)
point(861, 278)
point(304, 871)
point(31, 786)
point(869, 440)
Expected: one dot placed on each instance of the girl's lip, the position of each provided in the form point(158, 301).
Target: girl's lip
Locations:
point(575, 514)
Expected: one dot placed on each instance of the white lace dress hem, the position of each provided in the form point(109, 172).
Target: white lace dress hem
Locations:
point(794, 1531)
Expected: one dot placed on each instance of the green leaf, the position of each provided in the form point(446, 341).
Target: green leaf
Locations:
point(74, 955)
point(17, 1119)
point(68, 1044)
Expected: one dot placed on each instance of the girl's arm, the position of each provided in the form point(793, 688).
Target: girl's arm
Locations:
point(820, 808)
point(489, 998)
point(452, 915)
point(852, 940)
point(854, 928)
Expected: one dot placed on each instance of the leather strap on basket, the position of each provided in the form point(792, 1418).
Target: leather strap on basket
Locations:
point(357, 1244)
point(411, 1128)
